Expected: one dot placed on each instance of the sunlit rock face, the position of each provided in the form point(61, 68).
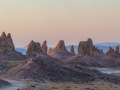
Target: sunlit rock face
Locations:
point(85, 48)
point(44, 47)
point(60, 51)
point(33, 49)
point(72, 50)
point(6, 43)
point(7, 49)
point(60, 47)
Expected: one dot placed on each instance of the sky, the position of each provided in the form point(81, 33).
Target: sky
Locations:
point(53, 20)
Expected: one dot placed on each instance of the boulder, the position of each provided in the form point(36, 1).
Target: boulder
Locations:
point(33, 49)
point(116, 50)
point(7, 49)
point(6, 43)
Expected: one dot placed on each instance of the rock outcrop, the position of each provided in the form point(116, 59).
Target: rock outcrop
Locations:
point(60, 47)
point(33, 49)
point(72, 50)
point(44, 47)
point(60, 51)
point(85, 48)
point(112, 53)
point(7, 49)
point(6, 43)
point(116, 50)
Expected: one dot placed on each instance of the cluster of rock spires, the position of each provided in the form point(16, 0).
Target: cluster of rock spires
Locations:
point(7, 48)
point(33, 49)
point(43, 65)
point(86, 48)
point(44, 47)
point(6, 43)
point(113, 51)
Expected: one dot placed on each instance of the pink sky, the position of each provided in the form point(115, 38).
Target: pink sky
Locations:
point(53, 20)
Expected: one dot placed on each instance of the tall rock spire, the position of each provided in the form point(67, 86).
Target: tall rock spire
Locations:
point(44, 47)
point(72, 50)
point(6, 43)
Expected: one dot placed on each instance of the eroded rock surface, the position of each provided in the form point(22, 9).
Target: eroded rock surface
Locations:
point(44, 47)
point(72, 50)
point(85, 48)
point(33, 49)
point(7, 49)
point(60, 51)
point(6, 43)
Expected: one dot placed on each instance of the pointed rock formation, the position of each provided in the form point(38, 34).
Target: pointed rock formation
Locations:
point(6, 43)
point(33, 49)
point(116, 50)
point(110, 51)
point(44, 47)
point(72, 50)
point(60, 51)
point(85, 48)
point(7, 49)
point(60, 47)
point(98, 53)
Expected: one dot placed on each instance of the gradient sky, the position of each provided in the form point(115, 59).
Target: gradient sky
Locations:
point(53, 20)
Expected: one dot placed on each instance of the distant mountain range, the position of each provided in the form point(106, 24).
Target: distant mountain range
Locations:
point(104, 46)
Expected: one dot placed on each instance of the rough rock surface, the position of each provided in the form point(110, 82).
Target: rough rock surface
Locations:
point(112, 53)
point(33, 49)
point(72, 50)
point(41, 69)
point(60, 51)
point(44, 47)
point(116, 50)
point(85, 48)
point(7, 49)
point(6, 43)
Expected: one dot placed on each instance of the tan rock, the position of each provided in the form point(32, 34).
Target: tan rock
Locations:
point(60, 47)
point(44, 47)
point(72, 50)
point(6, 43)
point(116, 50)
point(33, 49)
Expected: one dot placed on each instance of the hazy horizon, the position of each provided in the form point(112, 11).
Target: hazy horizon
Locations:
point(53, 20)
